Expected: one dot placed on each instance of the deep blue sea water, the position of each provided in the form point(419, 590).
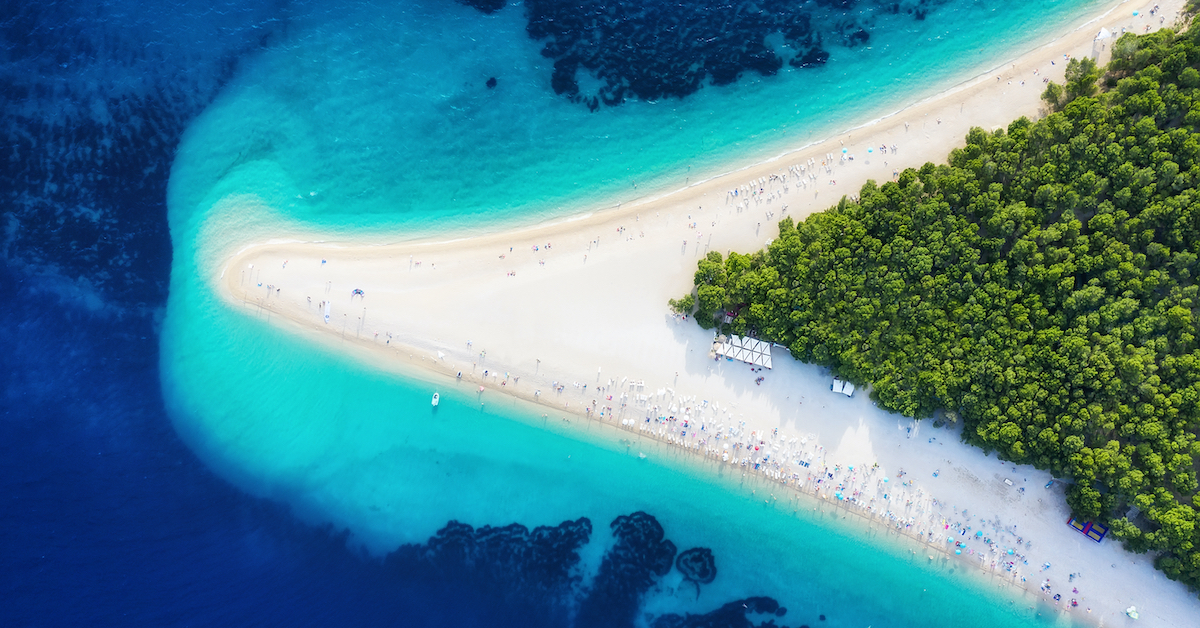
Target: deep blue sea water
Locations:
point(107, 519)
point(110, 519)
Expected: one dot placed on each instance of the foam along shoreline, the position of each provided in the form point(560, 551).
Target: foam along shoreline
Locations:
point(571, 315)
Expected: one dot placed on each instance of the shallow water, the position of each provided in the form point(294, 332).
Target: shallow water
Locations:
point(378, 121)
point(365, 451)
point(380, 118)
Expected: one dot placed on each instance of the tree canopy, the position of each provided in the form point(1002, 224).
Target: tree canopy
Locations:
point(1039, 285)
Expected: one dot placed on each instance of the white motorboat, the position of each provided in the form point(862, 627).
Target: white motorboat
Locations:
point(435, 399)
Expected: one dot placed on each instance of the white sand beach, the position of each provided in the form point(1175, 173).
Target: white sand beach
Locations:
point(572, 316)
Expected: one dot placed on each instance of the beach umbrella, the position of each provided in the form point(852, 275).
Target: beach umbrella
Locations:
point(844, 151)
point(870, 150)
point(885, 479)
point(958, 551)
point(1010, 552)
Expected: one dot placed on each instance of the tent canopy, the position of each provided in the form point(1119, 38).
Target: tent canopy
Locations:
point(744, 349)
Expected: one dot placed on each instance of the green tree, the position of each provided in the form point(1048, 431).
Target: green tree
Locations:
point(1081, 76)
point(683, 305)
point(1040, 286)
point(1054, 96)
point(1084, 502)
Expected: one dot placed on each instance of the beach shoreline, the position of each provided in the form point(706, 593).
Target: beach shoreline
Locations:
point(552, 301)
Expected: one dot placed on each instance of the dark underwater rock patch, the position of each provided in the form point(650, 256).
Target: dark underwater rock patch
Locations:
point(640, 556)
point(698, 566)
point(487, 7)
point(526, 564)
point(538, 571)
point(649, 49)
point(731, 615)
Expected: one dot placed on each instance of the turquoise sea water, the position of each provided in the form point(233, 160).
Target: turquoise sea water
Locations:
point(376, 120)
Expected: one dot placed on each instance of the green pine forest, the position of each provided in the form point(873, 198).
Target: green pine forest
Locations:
point(1038, 288)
